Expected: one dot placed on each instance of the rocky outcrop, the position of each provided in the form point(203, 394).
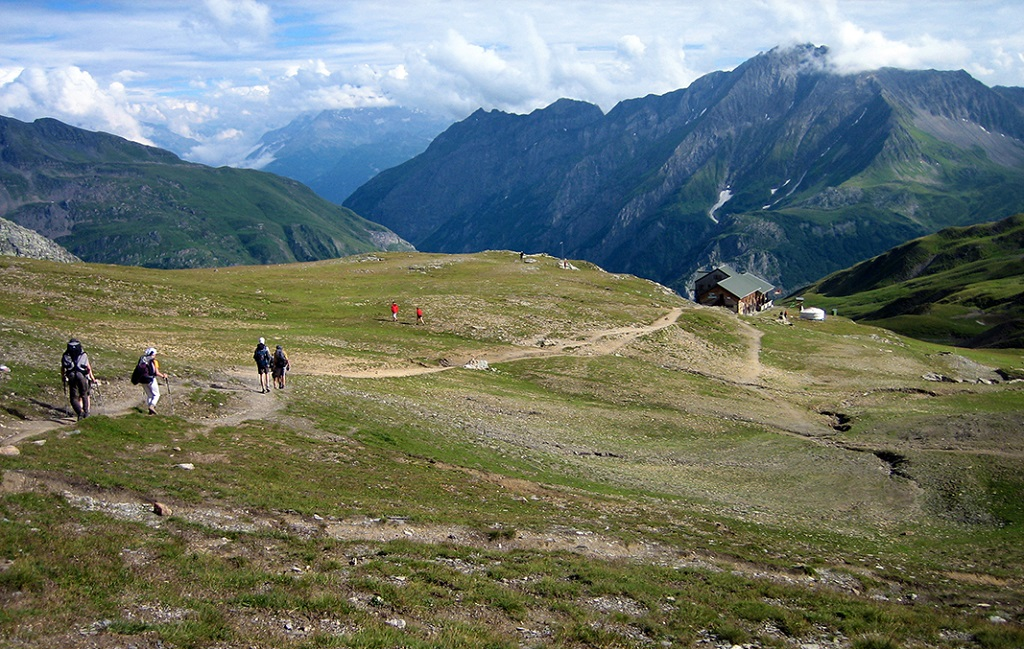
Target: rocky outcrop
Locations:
point(22, 242)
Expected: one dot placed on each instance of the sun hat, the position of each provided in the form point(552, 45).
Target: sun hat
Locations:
point(150, 351)
point(262, 341)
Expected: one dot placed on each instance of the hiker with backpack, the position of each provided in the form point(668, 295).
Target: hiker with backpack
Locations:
point(76, 375)
point(281, 367)
point(263, 362)
point(146, 373)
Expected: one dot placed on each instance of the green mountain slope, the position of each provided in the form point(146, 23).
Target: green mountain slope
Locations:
point(109, 200)
point(555, 458)
point(962, 286)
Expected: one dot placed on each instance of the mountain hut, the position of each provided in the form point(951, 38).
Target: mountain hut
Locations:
point(741, 293)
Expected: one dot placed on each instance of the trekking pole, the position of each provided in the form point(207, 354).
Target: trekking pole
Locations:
point(170, 401)
point(64, 382)
point(96, 394)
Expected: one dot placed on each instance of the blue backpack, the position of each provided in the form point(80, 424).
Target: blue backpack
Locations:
point(262, 357)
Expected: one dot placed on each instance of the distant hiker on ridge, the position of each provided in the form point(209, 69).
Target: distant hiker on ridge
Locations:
point(419, 315)
point(263, 361)
point(394, 312)
point(76, 374)
point(147, 372)
point(281, 367)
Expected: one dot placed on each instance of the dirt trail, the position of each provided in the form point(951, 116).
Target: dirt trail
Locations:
point(255, 404)
point(111, 405)
point(119, 400)
point(602, 342)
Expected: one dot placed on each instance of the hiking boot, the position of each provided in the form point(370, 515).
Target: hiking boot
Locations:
point(152, 412)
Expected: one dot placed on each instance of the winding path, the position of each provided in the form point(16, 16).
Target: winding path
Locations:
point(257, 405)
point(602, 342)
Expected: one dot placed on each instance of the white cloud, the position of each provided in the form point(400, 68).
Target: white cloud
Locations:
point(71, 95)
point(857, 49)
point(242, 23)
point(201, 68)
point(530, 71)
point(8, 75)
point(631, 47)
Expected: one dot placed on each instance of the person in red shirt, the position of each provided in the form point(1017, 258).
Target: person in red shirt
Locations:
point(394, 312)
point(419, 315)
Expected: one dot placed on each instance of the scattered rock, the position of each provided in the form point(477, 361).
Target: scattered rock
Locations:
point(397, 622)
point(188, 466)
point(20, 241)
point(9, 451)
point(161, 509)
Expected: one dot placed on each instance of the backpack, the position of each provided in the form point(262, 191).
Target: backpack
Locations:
point(74, 360)
point(280, 360)
point(142, 372)
point(262, 357)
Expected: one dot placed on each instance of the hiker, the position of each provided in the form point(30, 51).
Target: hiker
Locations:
point(147, 374)
point(76, 374)
point(263, 361)
point(419, 315)
point(281, 367)
point(394, 312)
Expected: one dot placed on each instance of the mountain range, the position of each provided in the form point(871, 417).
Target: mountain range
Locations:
point(781, 167)
point(335, 151)
point(109, 200)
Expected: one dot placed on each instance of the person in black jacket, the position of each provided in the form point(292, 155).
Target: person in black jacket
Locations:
point(76, 374)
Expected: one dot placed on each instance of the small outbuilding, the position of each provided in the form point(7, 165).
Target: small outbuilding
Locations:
point(741, 293)
point(812, 313)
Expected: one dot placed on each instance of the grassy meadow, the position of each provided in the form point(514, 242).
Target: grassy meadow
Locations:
point(628, 469)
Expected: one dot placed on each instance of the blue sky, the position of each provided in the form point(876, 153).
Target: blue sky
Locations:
point(223, 72)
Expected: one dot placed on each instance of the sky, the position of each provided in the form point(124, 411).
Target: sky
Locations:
point(221, 73)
